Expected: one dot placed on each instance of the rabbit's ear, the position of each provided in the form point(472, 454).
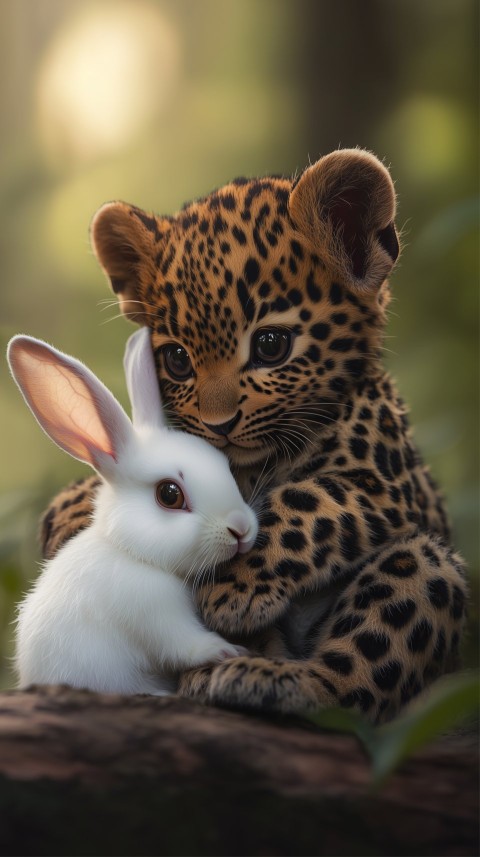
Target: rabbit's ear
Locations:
point(72, 406)
point(142, 380)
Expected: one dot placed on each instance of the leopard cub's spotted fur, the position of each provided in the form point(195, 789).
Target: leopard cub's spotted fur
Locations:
point(266, 304)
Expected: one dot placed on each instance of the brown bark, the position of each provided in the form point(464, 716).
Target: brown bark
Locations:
point(88, 774)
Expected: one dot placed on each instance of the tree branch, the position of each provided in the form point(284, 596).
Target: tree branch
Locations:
point(90, 774)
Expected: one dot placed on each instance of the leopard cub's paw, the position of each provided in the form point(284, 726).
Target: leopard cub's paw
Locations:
point(195, 683)
point(229, 610)
point(263, 684)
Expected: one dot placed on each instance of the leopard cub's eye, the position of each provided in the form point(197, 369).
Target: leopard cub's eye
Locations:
point(271, 346)
point(177, 362)
point(169, 495)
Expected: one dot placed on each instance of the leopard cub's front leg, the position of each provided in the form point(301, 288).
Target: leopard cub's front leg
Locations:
point(68, 513)
point(312, 534)
point(395, 627)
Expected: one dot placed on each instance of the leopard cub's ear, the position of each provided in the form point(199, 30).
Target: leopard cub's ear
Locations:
point(126, 242)
point(345, 205)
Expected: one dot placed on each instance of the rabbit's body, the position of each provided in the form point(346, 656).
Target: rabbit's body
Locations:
point(113, 610)
point(100, 619)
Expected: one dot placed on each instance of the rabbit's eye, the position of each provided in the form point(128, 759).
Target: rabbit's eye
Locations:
point(169, 495)
point(271, 346)
point(177, 362)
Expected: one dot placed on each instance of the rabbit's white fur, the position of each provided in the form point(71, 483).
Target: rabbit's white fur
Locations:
point(113, 610)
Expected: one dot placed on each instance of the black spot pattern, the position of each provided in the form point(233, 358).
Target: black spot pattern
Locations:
point(458, 605)
point(438, 593)
point(349, 537)
point(323, 529)
point(320, 331)
point(382, 460)
point(387, 675)
point(347, 624)
point(420, 636)
point(269, 519)
point(399, 614)
point(333, 488)
point(251, 271)
point(400, 564)
point(431, 555)
point(321, 555)
point(378, 531)
point(338, 662)
point(293, 540)
point(335, 294)
point(300, 501)
point(372, 645)
point(293, 569)
point(358, 447)
point(360, 696)
point(375, 592)
point(367, 481)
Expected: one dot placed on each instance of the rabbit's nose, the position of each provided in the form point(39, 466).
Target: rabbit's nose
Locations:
point(241, 528)
point(238, 524)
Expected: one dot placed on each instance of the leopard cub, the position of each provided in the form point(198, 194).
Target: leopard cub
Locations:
point(266, 305)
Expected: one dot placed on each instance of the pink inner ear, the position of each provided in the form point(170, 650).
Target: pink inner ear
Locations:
point(63, 404)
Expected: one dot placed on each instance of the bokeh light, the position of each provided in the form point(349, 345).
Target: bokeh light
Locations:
point(418, 122)
point(107, 72)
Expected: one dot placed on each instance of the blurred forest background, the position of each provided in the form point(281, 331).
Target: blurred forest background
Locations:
point(158, 101)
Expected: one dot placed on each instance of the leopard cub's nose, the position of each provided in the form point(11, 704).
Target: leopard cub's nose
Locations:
point(224, 428)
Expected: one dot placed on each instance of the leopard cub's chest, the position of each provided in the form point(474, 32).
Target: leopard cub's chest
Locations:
point(301, 626)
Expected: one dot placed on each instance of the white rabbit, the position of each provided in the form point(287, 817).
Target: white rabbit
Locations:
point(113, 610)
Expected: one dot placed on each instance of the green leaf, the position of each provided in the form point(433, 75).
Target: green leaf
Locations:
point(450, 701)
point(347, 722)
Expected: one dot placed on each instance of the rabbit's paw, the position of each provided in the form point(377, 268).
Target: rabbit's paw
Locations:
point(266, 684)
point(230, 651)
point(214, 650)
point(226, 652)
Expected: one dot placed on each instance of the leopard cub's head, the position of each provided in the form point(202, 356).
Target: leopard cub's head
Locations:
point(265, 299)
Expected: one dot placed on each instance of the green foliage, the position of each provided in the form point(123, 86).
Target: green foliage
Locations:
point(450, 702)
